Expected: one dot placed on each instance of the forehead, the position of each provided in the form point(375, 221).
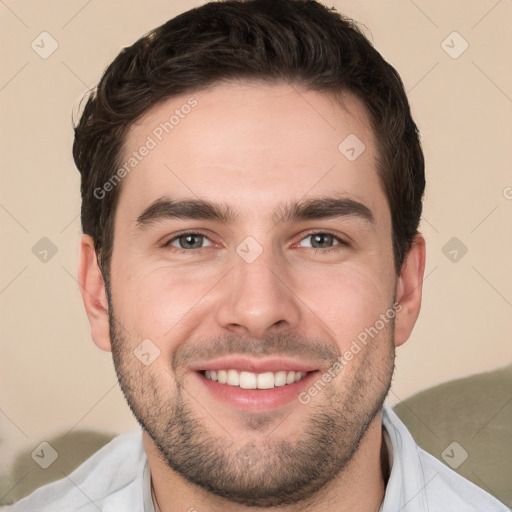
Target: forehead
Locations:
point(254, 144)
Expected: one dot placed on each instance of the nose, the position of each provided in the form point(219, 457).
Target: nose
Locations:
point(258, 299)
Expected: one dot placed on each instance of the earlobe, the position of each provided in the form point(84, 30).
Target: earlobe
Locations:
point(92, 289)
point(409, 290)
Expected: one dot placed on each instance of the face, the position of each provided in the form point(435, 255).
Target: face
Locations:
point(252, 259)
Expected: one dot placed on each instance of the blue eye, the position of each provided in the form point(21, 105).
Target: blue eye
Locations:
point(189, 241)
point(195, 241)
point(322, 241)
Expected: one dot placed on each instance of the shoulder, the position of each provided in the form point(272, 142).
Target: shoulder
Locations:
point(420, 482)
point(446, 488)
point(108, 480)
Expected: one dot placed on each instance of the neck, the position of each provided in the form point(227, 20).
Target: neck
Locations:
point(360, 487)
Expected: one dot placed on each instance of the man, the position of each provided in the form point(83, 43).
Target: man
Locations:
point(252, 185)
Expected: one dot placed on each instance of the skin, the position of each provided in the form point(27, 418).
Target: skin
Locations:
point(256, 147)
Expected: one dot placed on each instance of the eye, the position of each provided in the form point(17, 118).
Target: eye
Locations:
point(189, 241)
point(321, 241)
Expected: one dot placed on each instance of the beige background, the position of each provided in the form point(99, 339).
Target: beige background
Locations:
point(54, 380)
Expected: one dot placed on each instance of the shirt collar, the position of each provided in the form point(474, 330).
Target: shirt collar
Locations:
point(406, 487)
point(149, 505)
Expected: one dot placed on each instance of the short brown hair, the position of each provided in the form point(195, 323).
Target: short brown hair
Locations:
point(295, 41)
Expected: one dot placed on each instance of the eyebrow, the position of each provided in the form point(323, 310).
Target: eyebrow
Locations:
point(313, 209)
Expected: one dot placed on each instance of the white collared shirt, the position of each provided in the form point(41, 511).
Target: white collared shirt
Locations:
point(117, 478)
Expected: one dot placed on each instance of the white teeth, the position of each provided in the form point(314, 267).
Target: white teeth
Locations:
point(250, 380)
point(247, 380)
point(265, 380)
point(233, 378)
point(280, 378)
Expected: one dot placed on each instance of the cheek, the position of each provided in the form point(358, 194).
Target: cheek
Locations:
point(156, 301)
point(350, 301)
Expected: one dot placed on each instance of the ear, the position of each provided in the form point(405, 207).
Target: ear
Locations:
point(409, 290)
point(92, 288)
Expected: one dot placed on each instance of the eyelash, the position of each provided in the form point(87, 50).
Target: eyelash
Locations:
point(341, 242)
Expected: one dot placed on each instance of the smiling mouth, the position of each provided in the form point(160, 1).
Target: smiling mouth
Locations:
point(250, 380)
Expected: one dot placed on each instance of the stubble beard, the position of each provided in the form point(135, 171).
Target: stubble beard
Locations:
point(272, 470)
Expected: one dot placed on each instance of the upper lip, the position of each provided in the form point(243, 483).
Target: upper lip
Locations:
point(254, 365)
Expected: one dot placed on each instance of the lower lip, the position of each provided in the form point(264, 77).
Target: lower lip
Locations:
point(256, 400)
